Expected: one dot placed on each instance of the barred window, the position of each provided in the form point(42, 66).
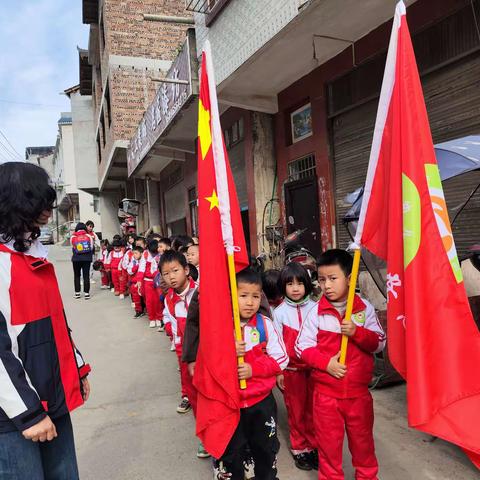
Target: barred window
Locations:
point(300, 168)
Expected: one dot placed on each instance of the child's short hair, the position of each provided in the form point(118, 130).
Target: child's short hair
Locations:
point(153, 247)
point(166, 241)
point(138, 248)
point(249, 276)
point(192, 271)
point(172, 256)
point(183, 250)
point(270, 284)
point(336, 256)
point(117, 243)
point(181, 241)
point(105, 242)
point(295, 270)
point(140, 239)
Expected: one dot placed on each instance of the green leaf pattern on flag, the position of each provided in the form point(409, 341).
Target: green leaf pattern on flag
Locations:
point(411, 220)
point(441, 216)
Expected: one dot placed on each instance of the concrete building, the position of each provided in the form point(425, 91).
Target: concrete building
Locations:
point(73, 204)
point(125, 54)
point(41, 156)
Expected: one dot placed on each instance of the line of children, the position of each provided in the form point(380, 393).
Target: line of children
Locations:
point(298, 351)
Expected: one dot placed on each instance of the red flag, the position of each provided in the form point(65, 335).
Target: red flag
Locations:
point(221, 231)
point(433, 340)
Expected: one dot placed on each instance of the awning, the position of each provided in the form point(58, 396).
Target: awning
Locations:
point(167, 130)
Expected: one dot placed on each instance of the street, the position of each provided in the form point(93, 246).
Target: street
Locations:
point(129, 428)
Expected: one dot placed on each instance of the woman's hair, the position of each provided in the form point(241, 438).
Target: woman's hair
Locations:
point(292, 271)
point(25, 192)
point(80, 226)
point(89, 223)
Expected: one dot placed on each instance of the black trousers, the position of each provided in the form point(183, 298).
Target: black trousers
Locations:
point(81, 268)
point(256, 431)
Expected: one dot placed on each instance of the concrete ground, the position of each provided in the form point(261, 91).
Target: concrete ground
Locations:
point(129, 429)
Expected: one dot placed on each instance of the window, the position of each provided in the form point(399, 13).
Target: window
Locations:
point(193, 209)
point(99, 149)
point(96, 203)
point(109, 108)
point(102, 125)
point(234, 134)
point(301, 168)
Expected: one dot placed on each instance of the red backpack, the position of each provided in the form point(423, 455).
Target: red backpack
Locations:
point(82, 243)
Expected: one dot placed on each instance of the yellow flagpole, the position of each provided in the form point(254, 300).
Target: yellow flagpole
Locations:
point(350, 298)
point(236, 312)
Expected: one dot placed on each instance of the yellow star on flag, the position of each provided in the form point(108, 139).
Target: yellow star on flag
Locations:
point(204, 129)
point(213, 200)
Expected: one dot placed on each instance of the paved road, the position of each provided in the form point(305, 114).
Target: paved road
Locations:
point(129, 429)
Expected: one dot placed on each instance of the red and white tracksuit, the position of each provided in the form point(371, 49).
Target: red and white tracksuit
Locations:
point(147, 270)
point(298, 393)
point(103, 271)
point(342, 404)
point(114, 263)
point(175, 319)
point(267, 358)
point(135, 292)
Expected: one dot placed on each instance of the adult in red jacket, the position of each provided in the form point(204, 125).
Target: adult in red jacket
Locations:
point(42, 375)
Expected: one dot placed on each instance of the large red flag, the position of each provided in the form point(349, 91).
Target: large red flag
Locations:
point(221, 231)
point(433, 340)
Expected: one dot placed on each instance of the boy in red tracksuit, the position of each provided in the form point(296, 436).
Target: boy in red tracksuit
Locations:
point(295, 286)
point(114, 264)
point(342, 402)
point(132, 271)
point(265, 357)
point(147, 270)
point(174, 271)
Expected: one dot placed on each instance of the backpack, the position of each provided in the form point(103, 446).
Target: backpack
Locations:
point(82, 244)
point(261, 328)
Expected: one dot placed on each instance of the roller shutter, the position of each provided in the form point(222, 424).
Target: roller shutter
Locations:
point(452, 96)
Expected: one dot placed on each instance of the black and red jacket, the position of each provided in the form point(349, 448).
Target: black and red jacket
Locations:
point(40, 368)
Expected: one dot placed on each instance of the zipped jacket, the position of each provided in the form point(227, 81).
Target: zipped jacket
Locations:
point(266, 354)
point(320, 338)
point(288, 318)
point(40, 367)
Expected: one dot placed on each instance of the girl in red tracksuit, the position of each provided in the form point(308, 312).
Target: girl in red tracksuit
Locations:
point(132, 271)
point(295, 286)
point(342, 402)
point(114, 264)
point(147, 270)
point(103, 258)
point(265, 357)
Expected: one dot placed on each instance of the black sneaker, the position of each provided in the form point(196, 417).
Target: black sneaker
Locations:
point(184, 406)
point(314, 459)
point(302, 461)
point(138, 314)
point(87, 296)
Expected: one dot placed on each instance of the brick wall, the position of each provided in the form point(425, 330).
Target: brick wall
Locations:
point(131, 88)
point(126, 33)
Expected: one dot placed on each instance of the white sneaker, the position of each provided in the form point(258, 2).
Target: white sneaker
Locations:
point(77, 295)
point(112, 290)
point(172, 346)
point(152, 324)
point(104, 287)
point(93, 281)
point(121, 296)
point(133, 305)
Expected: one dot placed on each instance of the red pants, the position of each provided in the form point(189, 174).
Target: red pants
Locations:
point(152, 301)
point(117, 284)
point(136, 297)
point(298, 396)
point(123, 281)
point(105, 279)
point(334, 416)
point(188, 390)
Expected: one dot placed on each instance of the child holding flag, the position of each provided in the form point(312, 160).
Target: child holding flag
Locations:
point(342, 401)
point(265, 357)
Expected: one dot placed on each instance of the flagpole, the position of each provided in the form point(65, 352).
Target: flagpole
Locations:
point(236, 312)
point(350, 298)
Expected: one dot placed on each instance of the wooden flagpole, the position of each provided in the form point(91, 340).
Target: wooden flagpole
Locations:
point(350, 298)
point(236, 312)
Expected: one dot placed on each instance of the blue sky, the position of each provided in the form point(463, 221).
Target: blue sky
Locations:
point(38, 61)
